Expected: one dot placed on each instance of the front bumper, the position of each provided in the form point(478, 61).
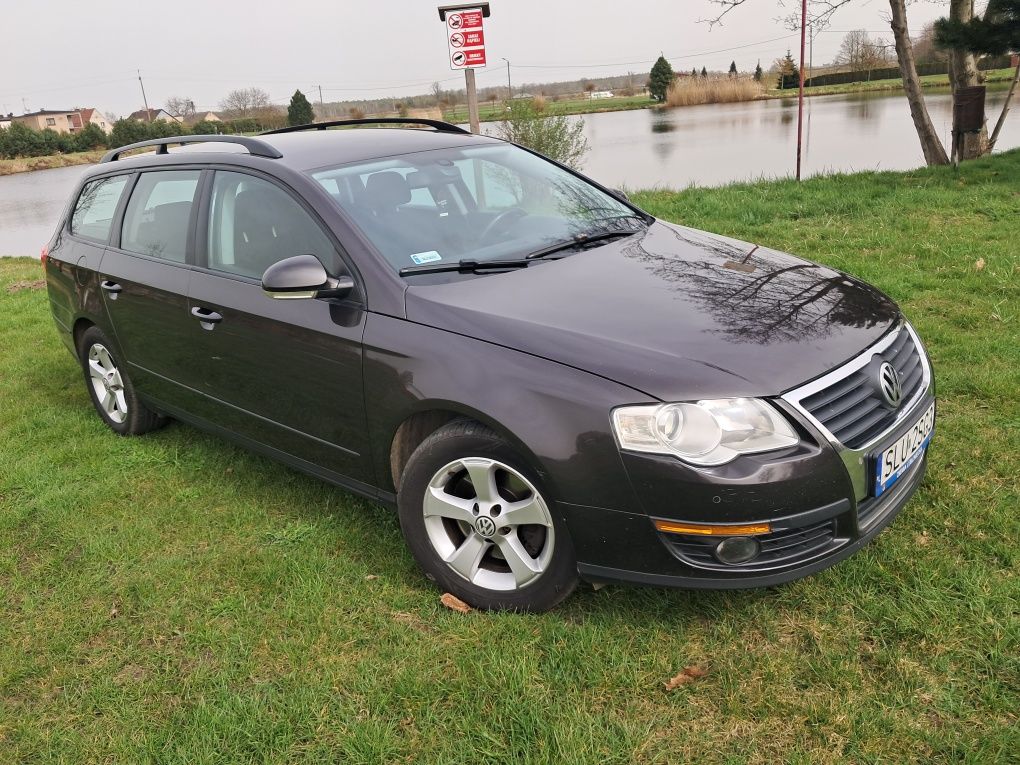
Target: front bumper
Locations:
point(816, 498)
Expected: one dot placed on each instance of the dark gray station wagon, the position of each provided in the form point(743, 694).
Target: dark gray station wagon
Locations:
point(546, 381)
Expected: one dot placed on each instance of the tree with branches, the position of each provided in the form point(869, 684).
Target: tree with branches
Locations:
point(300, 110)
point(180, 108)
point(660, 79)
point(245, 102)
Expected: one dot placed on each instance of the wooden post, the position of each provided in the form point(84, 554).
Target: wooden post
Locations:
point(472, 99)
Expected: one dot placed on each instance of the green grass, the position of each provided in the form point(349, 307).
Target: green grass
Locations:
point(927, 81)
point(174, 599)
point(489, 111)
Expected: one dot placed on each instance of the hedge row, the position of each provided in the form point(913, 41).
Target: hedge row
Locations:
point(18, 140)
point(888, 73)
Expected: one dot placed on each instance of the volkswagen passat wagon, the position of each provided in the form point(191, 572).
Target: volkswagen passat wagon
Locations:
point(547, 382)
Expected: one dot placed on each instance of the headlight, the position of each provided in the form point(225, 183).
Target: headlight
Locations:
point(705, 432)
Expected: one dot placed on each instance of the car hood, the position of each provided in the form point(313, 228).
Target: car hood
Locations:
point(675, 313)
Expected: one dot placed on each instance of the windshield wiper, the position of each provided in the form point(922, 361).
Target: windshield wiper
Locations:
point(464, 266)
point(581, 240)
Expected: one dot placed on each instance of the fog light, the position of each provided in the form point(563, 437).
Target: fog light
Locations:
point(737, 550)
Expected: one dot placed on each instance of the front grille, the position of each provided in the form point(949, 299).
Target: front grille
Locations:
point(852, 409)
point(780, 548)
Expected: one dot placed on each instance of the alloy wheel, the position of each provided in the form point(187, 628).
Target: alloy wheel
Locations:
point(488, 523)
point(107, 383)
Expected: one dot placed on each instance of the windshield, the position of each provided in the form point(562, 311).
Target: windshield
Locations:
point(479, 203)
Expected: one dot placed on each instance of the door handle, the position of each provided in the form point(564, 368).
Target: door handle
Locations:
point(209, 319)
point(112, 288)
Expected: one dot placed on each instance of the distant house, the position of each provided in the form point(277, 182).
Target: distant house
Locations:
point(151, 115)
point(202, 117)
point(5, 122)
point(602, 94)
point(97, 118)
point(59, 120)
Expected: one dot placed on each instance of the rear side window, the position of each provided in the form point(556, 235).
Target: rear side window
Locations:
point(96, 205)
point(157, 215)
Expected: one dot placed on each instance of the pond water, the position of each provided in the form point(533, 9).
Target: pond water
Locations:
point(704, 145)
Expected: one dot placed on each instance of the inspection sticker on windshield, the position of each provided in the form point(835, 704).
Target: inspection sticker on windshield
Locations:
point(894, 461)
point(426, 257)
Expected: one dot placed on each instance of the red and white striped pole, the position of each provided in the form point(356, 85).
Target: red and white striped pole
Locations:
point(800, 96)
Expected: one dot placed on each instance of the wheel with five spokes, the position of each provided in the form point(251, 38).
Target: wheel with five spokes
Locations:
point(110, 388)
point(478, 523)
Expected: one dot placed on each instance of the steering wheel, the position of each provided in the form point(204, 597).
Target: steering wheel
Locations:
point(504, 217)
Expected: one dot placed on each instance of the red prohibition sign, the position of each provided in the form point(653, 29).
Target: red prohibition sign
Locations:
point(457, 40)
point(456, 21)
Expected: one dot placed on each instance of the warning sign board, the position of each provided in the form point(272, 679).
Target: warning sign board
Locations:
point(465, 38)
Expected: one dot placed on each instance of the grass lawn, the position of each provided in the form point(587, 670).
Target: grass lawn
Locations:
point(174, 599)
point(992, 76)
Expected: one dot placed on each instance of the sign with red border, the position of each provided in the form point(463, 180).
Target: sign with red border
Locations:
point(465, 38)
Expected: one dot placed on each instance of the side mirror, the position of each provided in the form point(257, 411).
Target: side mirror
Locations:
point(303, 276)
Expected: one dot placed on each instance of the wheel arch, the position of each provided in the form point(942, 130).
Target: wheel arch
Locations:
point(429, 417)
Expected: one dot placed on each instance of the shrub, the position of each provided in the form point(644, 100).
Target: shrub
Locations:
point(208, 128)
point(560, 138)
point(539, 104)
point(89, 138)
point(127, 131)
point(19, 141)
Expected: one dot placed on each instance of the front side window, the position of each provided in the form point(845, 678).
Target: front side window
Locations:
point(158, 213)
point(96, 205)
point(254, 223)
point(478, 203)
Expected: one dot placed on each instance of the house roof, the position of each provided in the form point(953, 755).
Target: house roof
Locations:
point(46, 112)
point(151, 114)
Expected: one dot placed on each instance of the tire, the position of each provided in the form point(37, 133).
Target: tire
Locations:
point(503, 548)
point(110, 388)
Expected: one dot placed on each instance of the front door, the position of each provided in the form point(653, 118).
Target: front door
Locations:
point(285, 373)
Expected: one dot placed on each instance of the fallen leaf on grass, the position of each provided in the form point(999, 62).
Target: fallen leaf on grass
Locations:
point(979, 264)
point(454, 603)
point(687, 675)
point(114, 611)
point(370, 577)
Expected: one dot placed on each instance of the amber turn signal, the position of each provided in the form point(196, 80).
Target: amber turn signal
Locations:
point(712, 529)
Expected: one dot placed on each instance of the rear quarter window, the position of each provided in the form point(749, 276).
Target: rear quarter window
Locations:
point(93, 212)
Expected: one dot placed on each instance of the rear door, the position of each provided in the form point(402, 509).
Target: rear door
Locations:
point(144, 278)
point(286, 373)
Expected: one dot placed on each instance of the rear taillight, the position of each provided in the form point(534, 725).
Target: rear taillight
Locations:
point(44, 256)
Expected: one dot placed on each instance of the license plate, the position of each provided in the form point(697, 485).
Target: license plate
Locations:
point(895, 460)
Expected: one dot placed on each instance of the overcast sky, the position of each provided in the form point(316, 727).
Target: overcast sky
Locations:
point(66, 53)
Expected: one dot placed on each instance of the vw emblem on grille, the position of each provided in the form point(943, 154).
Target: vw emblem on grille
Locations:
point(485, 526)
point(889, 384)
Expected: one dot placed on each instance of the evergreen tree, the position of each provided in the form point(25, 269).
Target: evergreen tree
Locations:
point(300, 111)
point(995, 32)
point(758, 73)
point(660, 79)
point(733, 69)
point(694, 72)
point(704, 72)
point(787, 70)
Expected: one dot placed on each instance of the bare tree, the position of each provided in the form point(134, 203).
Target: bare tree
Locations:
point(180, 108)
point(245, 102)
point(860, 53)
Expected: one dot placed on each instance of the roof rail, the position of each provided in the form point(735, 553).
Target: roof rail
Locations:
point(439, 125)
point(254, 146)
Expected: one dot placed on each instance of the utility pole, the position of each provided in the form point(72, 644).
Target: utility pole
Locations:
point(144, 99)
point(322, 107)
point(509, 89)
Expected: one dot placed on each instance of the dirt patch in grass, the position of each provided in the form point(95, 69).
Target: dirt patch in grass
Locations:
point(26, 284)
